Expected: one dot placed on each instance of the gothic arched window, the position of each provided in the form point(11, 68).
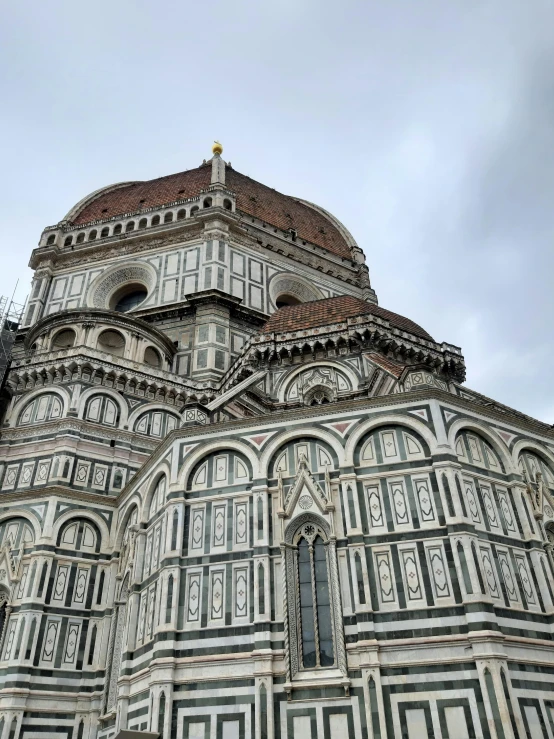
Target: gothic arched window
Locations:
point(313, 603)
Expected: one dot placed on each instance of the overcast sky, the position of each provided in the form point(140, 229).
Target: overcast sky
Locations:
point(426, 126)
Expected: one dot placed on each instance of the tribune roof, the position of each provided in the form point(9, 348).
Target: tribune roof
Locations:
point(334, 310)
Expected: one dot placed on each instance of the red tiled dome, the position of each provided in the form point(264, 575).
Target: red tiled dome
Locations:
point(252, 198)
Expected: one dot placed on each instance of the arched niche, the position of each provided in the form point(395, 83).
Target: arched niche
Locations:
point(46, 406)
point(473, 448)
point(319, 456)
point(16, 532)
point(79, 535)
point(333, 379)
point(156, 422)
point(222, 468)
point(532, 462)
point(390, 444)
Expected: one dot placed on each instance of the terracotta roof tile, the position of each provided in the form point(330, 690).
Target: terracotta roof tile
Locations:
point(253, 199)
point(334, 310)
point(395, 368)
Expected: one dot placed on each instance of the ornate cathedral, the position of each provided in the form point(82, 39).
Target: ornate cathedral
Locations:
point(242, 500)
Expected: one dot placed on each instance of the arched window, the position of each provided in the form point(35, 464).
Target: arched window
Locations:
point(155, 221)
point(130, 226)
point(174, 529)
point(92, 645)
point(143, 223)
point(105, 232)
point(46, 407)
point(31, 639)
point(102, 409)
point(152, 357)
point(93, 234)
point(313, 612)
point(156, 423)
point(100, 592)
point(64, 339)
point(359, 579)
point(111, 342)
point(478, 568)
point(286, 299)
point(194, 210)
point(13, 729)
point(117, 230)
point(261, 589)
point(68, 241)
point(128, 298)
point(465, 571)
point(181, 214)
point(81, 237)
point(448, 494)
point(51, 239)
point(207, 203)
point(42, 580)
point(3, 603)
point(32, 579)
point(168, 217)
point(227, 204)
point(315, 605)
point(169, 602)
point(161, 716)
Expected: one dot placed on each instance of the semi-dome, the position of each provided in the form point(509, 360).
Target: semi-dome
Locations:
point(309, 222)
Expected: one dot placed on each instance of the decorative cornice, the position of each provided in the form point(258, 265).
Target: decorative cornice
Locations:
point(84, 427)
point(34, 494)
point(339, 408)
point(364, 331)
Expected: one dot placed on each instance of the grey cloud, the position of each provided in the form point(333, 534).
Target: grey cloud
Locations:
point(427, 127)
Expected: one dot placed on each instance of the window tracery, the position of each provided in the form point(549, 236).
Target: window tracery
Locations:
point(319, 384)
point(312, 597)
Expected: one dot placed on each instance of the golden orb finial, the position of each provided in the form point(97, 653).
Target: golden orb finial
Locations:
point(217, 148)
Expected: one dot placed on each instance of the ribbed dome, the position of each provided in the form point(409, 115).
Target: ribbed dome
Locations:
point(252, 198)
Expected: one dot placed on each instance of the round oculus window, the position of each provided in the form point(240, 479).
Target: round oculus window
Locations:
point(130, 300)
point(284, 300)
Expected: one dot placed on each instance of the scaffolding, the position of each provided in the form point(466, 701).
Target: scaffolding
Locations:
point(11, 314)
